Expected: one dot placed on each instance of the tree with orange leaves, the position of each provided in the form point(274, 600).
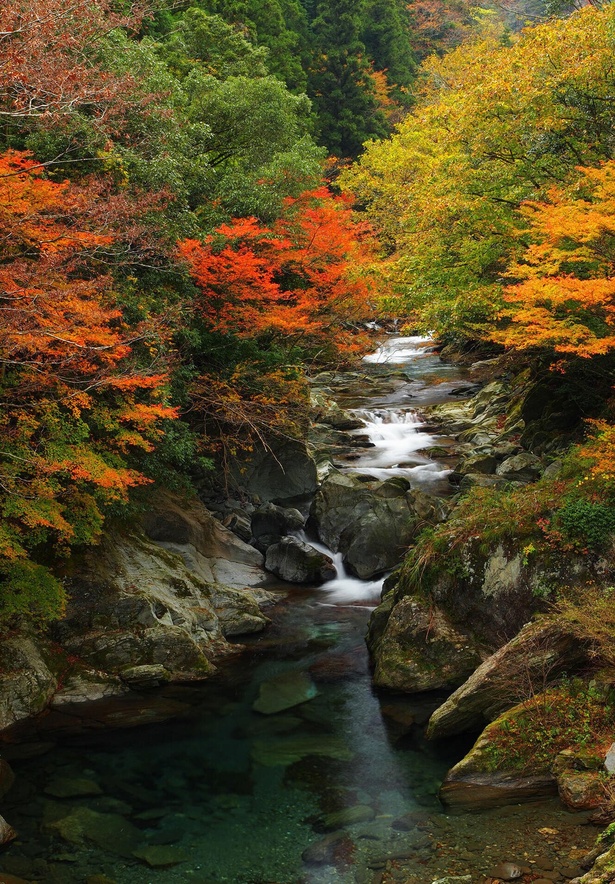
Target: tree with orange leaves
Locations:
point(75, 401)
point(563, 298)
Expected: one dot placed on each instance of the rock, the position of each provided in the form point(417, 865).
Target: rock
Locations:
point(97, 879)
point(506, 677)
point(603, 871)
point(524, 467)
point(5, 878)
point(348, 816)
point(477, 783)
point(298, 562)
point(7, 777)
point(72, 787)
point(284, 751)
point(279, 473)
point(7, 832)
point(270, 523)
point(108, 831)
point(506, 871)
point(325, 851)
point(454, 879)
point(609, 761)
point(581, 790)
point(87, 686)
point(478, 480)
point(370, 522)
point(478, 463)
point(28, 680)
point(420, 650)
point(283, 692)
point(159, 857)
point(141, 677)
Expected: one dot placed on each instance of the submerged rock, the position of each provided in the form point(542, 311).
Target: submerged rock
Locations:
point(348, 816)
point(108, 831)
point(283, 692)
point(284, 751)
point(298, 562)
point(72, 787)
point(161, 857)
point(325, 851)
point(7, 833)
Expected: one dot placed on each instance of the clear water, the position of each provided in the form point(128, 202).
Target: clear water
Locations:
point(239, 795)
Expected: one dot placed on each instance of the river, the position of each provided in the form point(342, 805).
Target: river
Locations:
point(228, 794)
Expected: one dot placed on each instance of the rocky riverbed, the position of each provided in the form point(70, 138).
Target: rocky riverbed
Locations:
point(282, 764)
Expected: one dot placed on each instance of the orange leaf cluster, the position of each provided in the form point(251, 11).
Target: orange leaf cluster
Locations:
point(303, 278)
point(564, 294)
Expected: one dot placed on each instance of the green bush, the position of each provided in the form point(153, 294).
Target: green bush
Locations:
point(30, 592)
point(587, 522)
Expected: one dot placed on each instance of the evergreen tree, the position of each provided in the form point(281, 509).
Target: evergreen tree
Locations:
point(340, 82)
point(385, 31)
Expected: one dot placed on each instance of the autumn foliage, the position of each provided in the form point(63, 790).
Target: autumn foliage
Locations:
point(564, 297)
point(299, 281)
point(75, 401)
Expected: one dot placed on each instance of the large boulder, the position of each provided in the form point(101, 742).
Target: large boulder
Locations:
point(271, 522)
point(540, 652)
point(370, 522)
point(279, 472)
point(477, 782)
point(29, 678)
point(298, 562)
point(420, 650)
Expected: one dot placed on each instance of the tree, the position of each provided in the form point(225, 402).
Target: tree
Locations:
point(76, 401)
point(339, 82)
point(564, 297)
point(500, 121)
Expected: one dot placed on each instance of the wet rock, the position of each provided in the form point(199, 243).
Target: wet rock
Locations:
point(110, 832)
point(506, 871)
point(420, 650)
point(270, 523)
point(523, 467)
point(298, 562)
point(286, 751)
point(348, 816)
point(283, 692)
point(87, 686)
point(6, 878)
point(159, 857)
point(581, 790)
point(326, 851)
point(370, 522)
point(279, 473)
point(506, 677)
point(478, 480)
point(72, 787)
point(7, 832)
point(97, 879)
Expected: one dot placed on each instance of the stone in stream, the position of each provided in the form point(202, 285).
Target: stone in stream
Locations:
point(298, 562)
point(160, 857)
point(108, 831)
point(609, 761)
point(507, 871)
point(348, 816)
point(7, 832)
point(327, 849)
point(282, 752)
point(72, 787)
point(271, 522)
point(283, 692)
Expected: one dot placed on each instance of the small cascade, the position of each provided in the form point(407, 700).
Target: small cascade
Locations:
point(345, 589)
point(398, 351)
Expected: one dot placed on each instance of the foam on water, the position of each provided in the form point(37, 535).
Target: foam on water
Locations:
point(397, 351)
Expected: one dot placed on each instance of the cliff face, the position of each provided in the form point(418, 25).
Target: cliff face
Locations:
point(147, 607)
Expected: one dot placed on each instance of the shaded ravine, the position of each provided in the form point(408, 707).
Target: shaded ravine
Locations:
point(229, 794)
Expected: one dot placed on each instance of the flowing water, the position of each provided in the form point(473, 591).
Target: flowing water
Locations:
point(232, 795)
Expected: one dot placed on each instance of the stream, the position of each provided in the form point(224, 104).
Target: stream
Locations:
point(227, 794)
